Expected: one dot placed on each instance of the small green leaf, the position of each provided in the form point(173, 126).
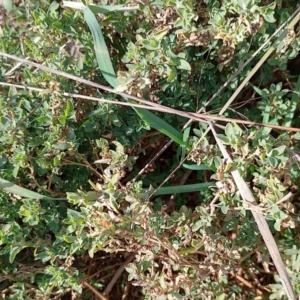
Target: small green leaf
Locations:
point(79, 63)
point(92, 196)
point(69, 109)
point(197, 225)
point(43, 256)
point(161, 33)
point(292, 251)
point(230, 225)
point(145, 265)
point(268, 12)
point(229, 131)
point(277, 225)
point(74, 198)
point(69, 239)
point(184, 65)
point(277, 151)
point(224, 139)
point(12, 93)
point(25, 211)
point(4, 123)
point(264, 93)
point(269, 18)
point(151, 44)
point(8, 5)
point(62, 120)
point(45, 120)
point(224, 209)
point(35, 142)
point(3, 161)
point(172, 74)
point(221, 297)
point(16, 170)
point(61, 146)
point(13, 253)
point(53, 7)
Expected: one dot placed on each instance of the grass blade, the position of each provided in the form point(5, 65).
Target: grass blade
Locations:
point(186, 134)
point(104, 9)
point(25, 193)
point(101, 51)
point(159, 124)
point(179, 189)
point(106, 68)
point(195, 167)
point(294, 102)
point(99, 8)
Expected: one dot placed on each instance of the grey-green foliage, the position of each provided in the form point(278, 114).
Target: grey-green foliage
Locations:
point(175, 52)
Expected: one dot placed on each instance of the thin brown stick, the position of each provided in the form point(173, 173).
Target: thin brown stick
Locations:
point(285, 198)
point(247, 283)
point(212, 203)
point(157, 107)
point(13, 69)
point(157, 155)
point(118, 273)
point(261, 222)
point(104, 269)
point(126, 290)
point(91, 288)
point(78, 79)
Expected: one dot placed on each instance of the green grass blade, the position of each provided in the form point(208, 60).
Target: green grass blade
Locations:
point(186, 134)
point(159, 124)
point(25, 193)
point(101, 51)
point(267, 110)
point(292, 108)
point(106, 68)
point(188, 188)
point(195, 167)
point(104, 9)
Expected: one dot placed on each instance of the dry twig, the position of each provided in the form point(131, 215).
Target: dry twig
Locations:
point(118, 273)
point(260, 221)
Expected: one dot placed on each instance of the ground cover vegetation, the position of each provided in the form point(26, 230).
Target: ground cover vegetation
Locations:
point(94, 205)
